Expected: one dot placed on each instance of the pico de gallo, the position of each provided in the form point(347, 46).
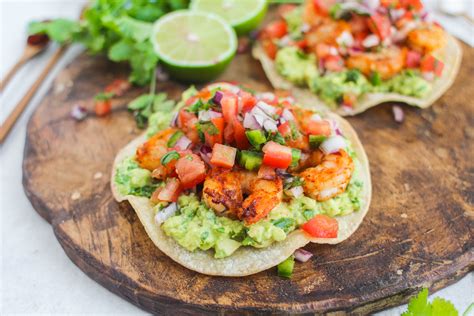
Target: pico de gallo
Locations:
point(240, 169)
point(342, 50)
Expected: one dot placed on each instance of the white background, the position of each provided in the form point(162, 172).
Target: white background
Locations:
point(36, 275)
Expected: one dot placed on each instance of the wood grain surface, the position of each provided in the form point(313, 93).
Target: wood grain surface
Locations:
point(418, 232)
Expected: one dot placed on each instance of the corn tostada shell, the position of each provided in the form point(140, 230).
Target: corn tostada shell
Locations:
point(451, 55)
point(246, 260)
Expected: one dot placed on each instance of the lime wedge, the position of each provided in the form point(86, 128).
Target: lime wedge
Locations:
point(194, 46)
point(243, 15)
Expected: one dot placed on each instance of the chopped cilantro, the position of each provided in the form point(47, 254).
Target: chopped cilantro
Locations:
point(169, 156)
point(419, 305)
point(293, 182)
point(285, 223)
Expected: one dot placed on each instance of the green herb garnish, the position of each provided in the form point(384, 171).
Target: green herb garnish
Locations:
point(169, 156)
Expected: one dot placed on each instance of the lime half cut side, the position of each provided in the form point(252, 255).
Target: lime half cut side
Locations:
point(243, 15)
point(194, 46)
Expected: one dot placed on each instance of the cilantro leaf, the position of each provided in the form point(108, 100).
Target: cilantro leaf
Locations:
point(420, 306)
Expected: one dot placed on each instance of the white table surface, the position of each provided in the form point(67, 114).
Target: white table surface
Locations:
point(36, 275)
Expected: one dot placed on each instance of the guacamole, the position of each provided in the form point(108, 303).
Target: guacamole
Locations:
point(133, 180)
point(296, 66)
point(300, 69)
point(196, 226)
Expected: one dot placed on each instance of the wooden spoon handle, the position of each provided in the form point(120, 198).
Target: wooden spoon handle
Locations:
point(11, 72)
point(20, 107)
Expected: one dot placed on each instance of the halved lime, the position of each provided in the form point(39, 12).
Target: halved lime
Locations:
point(243, 15)
point(194, 46)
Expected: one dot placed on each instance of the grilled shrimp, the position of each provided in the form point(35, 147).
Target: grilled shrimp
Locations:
point(330, 177)
point(388, 62)
point(223, 192)
point(264, 196)
point(327, 33)
point(150, 152)
point(427, 38)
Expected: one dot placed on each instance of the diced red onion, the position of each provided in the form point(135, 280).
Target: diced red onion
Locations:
point(166, 213)
point(296, 191)
point(287, 115)
point(250, 121)
point(371, 4)
point(283, 173)
point(333, 144)
point(428, 75)
point(345, 39)
point(305, 28)
point(265, 96)
point(371, 41)
point(398, 114)
point(78, 112)
point(382, 10)
point(208, 115)
point(335, 127)
point(205, 153)
point(285, 41)
point(218, 97)
point(268, 109)
point(316, 117)
point(396, 14)
point(270, 125)
point(333, 51)
point(183, 143)
point(302, 255)
point(174, 120)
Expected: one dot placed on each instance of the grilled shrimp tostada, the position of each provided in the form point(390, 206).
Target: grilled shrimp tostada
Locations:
point(232, 182)
point(350, 55)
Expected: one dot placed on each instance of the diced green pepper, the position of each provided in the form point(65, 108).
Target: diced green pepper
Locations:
point(285, 269)
point(295, 157)
point(316, 140)
point(375, 79)
point(250, 160)
point(256, 138)
point(174, 138)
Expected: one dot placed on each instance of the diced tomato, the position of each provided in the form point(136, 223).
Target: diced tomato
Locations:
point(284, 9)
point(219, 137)
point(285, 129)
point(248, 101)
point(170, 192)
point(239, 135)
point(270, 48)
point(323, 50)
point(322, 6)
point(229, 133)
point(303, 43)
point(358, 24)
point(229, 107)
point(102, 107)
point(348, 99)
point(204, 94)
point(334, 63)
point(380, 25)
point(191, 170)
point(223, 156)
point(318, 128)
point(118, 87)
point(321, 226)
point(415, 5)
point(413, 59)
point(276, 29)
point(266, 172)
point(277, 155)
point(430, 64)
point(185, 117)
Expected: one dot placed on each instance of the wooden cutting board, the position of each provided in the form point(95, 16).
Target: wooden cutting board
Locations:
point(418, 231)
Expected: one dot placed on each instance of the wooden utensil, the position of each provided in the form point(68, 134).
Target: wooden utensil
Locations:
point(35, 44)
point(20, 107)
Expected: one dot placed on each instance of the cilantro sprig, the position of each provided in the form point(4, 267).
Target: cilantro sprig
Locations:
point(420, 306)
point(119, 28)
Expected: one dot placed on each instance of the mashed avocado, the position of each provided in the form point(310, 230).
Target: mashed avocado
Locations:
point(409, 83)
point(295, 23)
point(296, 66)
point(300, 69)
point(133, 180)
point(332, 86)
point(197, 227)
